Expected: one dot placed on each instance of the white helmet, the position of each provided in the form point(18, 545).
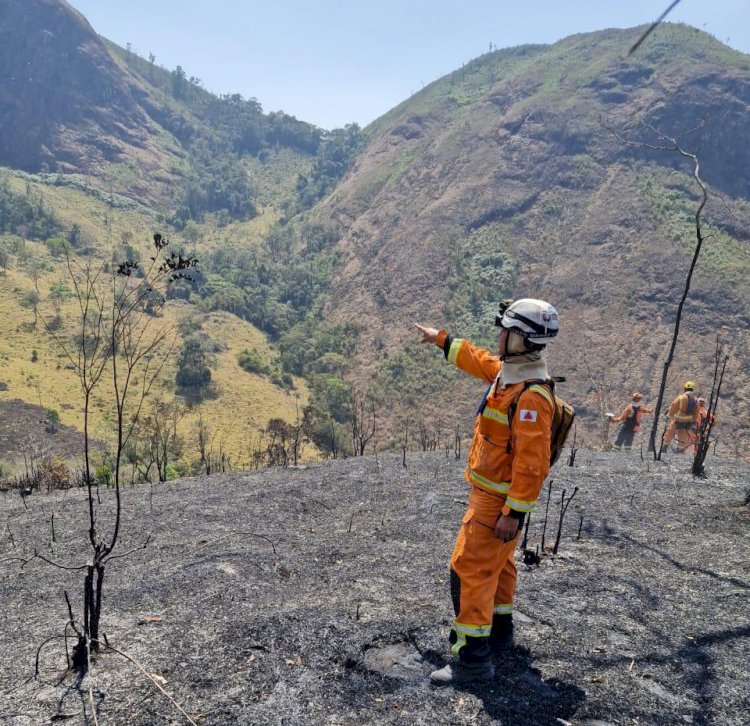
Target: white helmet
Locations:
point(533, 319)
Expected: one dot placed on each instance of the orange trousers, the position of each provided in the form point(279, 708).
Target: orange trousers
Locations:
point(684, 438)
point(483, 570)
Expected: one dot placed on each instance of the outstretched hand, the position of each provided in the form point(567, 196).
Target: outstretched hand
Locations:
point(429, 335)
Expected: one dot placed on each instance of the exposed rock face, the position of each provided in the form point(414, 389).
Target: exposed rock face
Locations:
point(504, 165)
point(64, 101)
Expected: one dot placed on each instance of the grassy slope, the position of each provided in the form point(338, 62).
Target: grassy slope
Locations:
point(245, 402)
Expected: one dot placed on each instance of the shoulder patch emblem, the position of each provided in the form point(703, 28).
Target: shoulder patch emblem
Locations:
point(527, 415)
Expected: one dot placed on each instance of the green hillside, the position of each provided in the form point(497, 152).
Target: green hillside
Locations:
point(500, 179)
point(318, 249)
point(157, 152)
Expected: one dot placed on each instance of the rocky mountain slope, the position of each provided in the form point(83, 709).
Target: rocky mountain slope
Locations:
point(319, 596)
point(74, 103)
point(66, 104)
point(501, 180)
point(498, 180)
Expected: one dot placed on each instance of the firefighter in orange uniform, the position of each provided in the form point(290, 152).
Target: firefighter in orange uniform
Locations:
point(630, 418)
point(508, 462)
point(703, 419)
point(682, 413)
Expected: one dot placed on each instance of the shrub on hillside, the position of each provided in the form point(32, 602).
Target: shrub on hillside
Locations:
point(192, 367)
point(103, 475)
point(52, 421)
point(56, 246)
point(6, 470)
point(54, 474)
point(251, 361)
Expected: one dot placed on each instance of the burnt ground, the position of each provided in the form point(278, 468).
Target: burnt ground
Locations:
point(24, 430)
point(644, 620)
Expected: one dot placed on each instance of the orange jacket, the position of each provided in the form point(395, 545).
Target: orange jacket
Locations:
point(678, 409)
point(703, 416)
point(516, 475)
point(628, 412)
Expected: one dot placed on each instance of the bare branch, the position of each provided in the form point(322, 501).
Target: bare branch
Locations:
point(129, 552)
point(652, 27)
point(152, 679)
point(57, 564)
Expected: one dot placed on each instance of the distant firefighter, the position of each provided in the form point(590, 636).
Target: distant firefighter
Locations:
point(682, 413)
point(630, 418)
point(703, 420)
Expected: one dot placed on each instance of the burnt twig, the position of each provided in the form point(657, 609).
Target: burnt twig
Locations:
point(563, 508)
point(152, 679)
point(546, 512)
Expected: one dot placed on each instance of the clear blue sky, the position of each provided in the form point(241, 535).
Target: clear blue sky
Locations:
point(331, 62)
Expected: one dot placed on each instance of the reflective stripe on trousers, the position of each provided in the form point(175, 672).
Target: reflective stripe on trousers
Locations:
point(484, 568)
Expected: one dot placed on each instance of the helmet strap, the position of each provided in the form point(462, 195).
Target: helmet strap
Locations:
point(533, 347)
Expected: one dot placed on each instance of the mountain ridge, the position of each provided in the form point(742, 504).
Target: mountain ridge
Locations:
point(495, 182)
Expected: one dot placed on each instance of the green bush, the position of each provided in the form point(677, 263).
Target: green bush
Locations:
point(251, 361)
point(6, 471)
point(103, 475)
point(192, 367)
point(52, 420)
point(56, 246)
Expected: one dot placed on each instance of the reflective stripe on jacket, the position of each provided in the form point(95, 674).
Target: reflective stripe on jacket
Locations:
point(678, 409)
point(518, 474)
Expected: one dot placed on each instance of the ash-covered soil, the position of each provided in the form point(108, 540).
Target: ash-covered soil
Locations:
point(319, 595)
point(24, 430)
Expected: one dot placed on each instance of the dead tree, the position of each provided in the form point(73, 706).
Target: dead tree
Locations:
point(405, 447)
point(205, 445)
point(119, 340)
point(721, 357)
point(296, 434)
point(573, 448)
point(667, 143)
point(362, 423)
point(601, 386)
point(162, 443)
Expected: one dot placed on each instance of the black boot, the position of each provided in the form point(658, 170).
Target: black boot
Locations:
point(458, 673)
point(501, 637)
point(473, 665)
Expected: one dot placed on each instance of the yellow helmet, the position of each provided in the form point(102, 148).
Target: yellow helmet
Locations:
point(689, 385)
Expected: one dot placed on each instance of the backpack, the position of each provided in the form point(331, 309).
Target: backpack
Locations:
point(562, 418)
point(631, 421)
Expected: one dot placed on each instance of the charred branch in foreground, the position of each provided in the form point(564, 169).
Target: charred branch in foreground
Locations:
point(652, 27)
point(546, 511)
point(563, 509)
point(526, 533)
point(706, 425)
point(573, 449)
